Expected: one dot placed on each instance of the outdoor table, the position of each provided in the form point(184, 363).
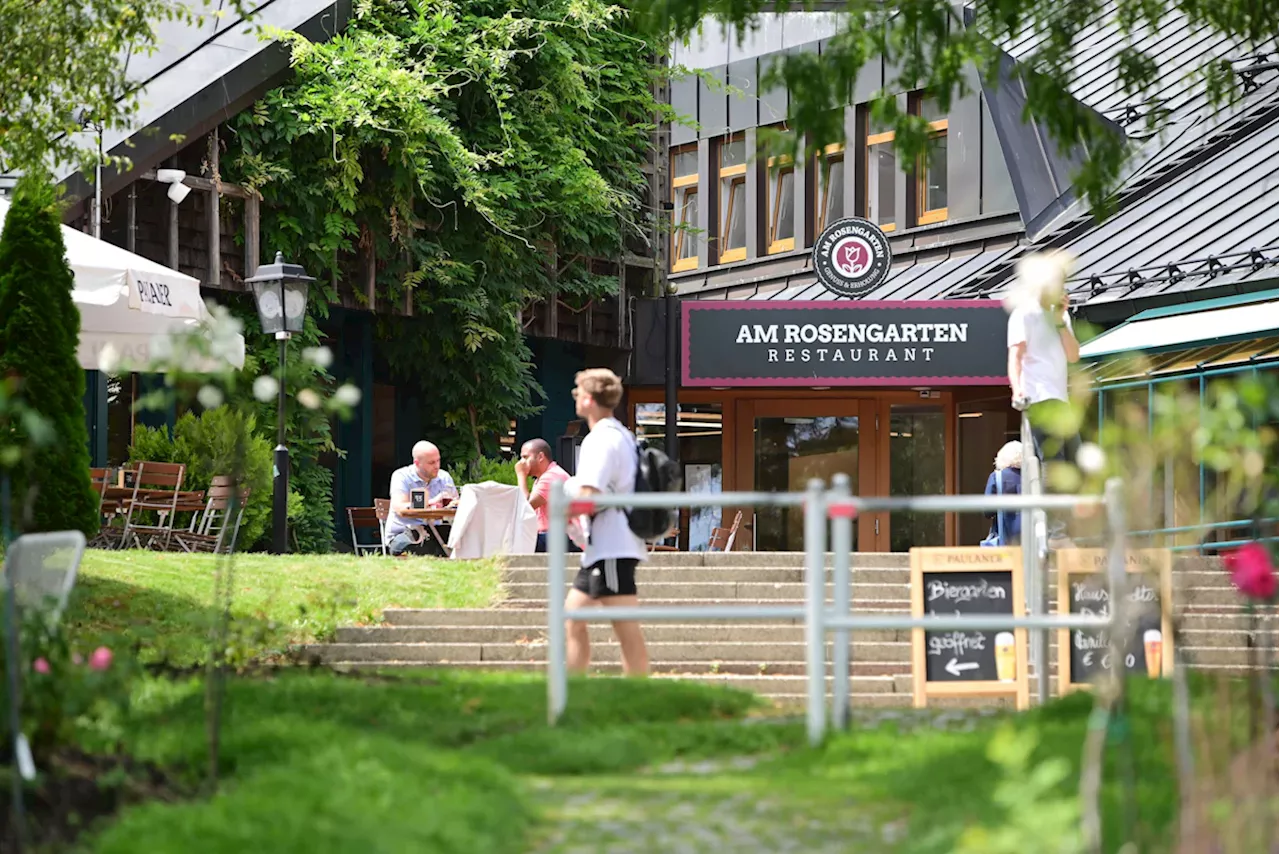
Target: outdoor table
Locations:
point(444, 514)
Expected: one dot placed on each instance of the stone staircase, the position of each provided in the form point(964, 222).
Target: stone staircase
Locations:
point(764, 657)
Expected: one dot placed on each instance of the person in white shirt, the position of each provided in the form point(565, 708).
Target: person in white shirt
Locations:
point(1041, 345)
point(607, 464)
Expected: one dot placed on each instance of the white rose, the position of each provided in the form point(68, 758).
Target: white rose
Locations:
point(347, 395)
point(108, 359)
point(321, 357)
point(265, 388)
point(210, 397)
point(308, 398)
point(1090, 458)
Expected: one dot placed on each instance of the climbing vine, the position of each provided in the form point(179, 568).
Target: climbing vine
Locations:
point(471, 157)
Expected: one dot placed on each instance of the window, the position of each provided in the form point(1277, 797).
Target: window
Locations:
point(882, 168)
point(684, 195)
point(733, 199)
point(829, 198)
point(931, 171)
point(781, 205)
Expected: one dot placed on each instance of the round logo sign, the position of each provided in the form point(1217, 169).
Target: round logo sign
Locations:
point(852, 257)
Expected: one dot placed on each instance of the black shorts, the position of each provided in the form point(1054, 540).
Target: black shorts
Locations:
point(591, 579)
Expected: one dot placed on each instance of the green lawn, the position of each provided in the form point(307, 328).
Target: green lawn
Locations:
point(163, 602)
point(448, 761)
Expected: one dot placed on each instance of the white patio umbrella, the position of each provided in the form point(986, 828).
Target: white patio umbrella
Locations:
point(129, 302)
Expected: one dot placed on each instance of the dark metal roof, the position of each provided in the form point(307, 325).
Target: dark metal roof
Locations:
point(202, 74)
point(924, 276)
point(1199, 213)
point(1179, 47)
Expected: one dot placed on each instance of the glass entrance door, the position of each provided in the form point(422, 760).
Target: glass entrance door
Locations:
point(795, 441)
point(917, 444)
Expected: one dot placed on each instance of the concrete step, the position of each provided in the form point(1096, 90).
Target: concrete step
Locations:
point(692, 591)
point(1216, 638)
point(739, 559)
point(874, 606)
point(535, 650)
point(720, 575)
point(655, 632)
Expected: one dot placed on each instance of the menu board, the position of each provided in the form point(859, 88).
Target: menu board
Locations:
point(1146, 649)
point(968, 581)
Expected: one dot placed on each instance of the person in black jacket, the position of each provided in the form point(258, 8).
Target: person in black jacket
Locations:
point(1008, 476)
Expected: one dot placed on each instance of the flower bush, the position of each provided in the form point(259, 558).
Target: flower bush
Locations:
point(1252, 570)
point(69, 698)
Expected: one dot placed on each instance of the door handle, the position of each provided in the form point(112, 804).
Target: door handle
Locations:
point(877, 527)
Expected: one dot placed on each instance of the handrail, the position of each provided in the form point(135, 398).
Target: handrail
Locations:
point(820, 506)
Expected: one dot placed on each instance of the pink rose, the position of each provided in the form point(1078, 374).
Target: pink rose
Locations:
point(1252, 571)
point(101, 659)
point(40, 665)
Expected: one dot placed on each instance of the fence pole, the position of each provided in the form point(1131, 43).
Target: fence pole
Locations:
point(557, 539)
point(815, 530)
point(841, 546)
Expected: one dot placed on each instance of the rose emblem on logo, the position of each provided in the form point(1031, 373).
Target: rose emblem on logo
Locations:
point(851, 257)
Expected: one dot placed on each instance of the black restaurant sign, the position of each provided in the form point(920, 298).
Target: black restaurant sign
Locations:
point(843, 343)
point(967, 656)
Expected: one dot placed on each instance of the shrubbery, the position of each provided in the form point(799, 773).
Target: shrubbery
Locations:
point(206, 445)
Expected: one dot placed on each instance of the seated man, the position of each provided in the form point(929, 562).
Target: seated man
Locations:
point(535, 461)
point(407, 535)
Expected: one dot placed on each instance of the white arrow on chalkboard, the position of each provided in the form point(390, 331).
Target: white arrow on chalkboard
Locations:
point(956, 669)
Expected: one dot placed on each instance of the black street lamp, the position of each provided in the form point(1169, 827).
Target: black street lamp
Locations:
point(280, 290)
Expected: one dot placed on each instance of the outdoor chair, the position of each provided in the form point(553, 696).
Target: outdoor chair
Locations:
point(155, 490)
point(109, 534)
point(365, 521)
point(42, 569)
point(382, 506)
point(212, 530)
point(722, 538)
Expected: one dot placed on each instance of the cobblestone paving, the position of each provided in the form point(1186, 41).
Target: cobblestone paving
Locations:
point(721, 806)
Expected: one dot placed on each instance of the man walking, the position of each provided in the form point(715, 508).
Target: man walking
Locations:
point(535, 461)
point(607, 464)
point(1041, 344)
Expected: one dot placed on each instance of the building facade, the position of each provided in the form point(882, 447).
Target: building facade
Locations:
point(918, 403)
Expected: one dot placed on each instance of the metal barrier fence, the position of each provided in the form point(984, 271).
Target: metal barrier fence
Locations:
point(819, 505)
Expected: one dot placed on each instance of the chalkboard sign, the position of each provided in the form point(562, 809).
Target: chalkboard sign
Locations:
point(1146, 650)
point(968, 581)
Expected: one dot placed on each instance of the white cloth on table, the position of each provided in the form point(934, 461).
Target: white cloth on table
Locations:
point(493, 519)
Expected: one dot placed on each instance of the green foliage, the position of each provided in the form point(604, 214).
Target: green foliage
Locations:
point(208, 445)
point(496, 469)
point(39, 335)
point(473, 157)
point(928, 45)
point(66, 57)
point(311, 525)
point(72, 696)
point(1036, 814)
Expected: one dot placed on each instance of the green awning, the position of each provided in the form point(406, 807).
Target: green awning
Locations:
point(1209, 323)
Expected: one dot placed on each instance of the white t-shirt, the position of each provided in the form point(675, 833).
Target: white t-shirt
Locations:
point(1044, 367)
point(607, 461)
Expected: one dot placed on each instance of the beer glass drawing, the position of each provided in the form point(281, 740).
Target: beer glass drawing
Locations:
point(1151, 646)
point(1006, 663)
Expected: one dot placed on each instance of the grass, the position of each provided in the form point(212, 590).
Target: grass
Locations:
point(459, 761)
point(163, 602)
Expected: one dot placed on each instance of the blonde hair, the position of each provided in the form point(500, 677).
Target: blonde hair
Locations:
point(602, 384)
point(1010, 456)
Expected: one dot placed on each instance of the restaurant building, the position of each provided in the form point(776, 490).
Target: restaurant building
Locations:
point(896, 377)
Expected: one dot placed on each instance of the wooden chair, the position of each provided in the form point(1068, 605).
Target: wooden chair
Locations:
point(365, 519)
point(155, 490)
point(108, 536)
point(382, 506)
point(722, 538)
point(212, 530)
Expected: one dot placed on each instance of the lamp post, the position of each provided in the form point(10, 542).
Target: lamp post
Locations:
point(280, 292)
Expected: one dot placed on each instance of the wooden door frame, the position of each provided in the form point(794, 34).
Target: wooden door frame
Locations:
point(862, 407)
point(737, 413)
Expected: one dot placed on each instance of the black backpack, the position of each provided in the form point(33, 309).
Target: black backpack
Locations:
point(655, 472)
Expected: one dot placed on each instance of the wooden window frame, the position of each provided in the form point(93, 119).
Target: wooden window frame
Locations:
point(680, 191)
point(774, 200)
point(874, 139)
point(822, 183)
point(924, 215)
point(736, 176)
